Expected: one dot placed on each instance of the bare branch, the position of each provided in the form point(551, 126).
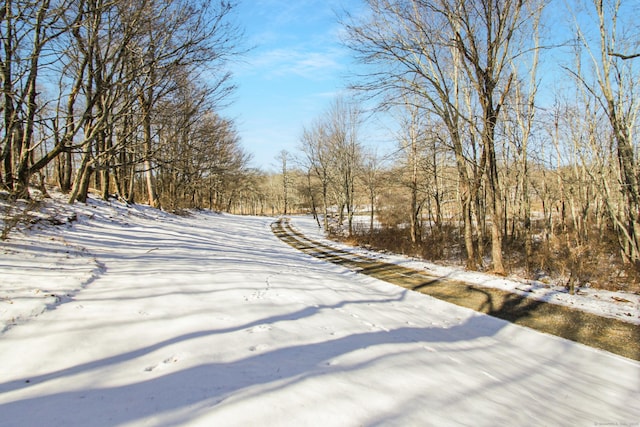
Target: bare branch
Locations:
point(623, 56)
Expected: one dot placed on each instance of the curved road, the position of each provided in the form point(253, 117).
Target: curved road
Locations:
point(608, 334)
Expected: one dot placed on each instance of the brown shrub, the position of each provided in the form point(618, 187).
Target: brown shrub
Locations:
point(595, 262)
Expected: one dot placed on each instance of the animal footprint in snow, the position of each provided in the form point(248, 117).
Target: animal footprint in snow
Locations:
point(259, 328)
point(328, 330)
point(259, 347)
point(375, 327)
point(168, 361)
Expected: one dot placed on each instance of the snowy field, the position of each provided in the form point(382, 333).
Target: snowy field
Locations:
point(129, 316)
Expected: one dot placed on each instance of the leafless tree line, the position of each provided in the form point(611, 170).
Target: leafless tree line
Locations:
point(120, 96)
point(477, 148)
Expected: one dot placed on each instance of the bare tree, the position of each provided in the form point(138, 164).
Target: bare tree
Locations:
point(524, 110)
point(27, 29)
point(371, 171)
point(612, 85)
point(315, 146)
point(283, 157)
point(343, 121)
point(412, 145)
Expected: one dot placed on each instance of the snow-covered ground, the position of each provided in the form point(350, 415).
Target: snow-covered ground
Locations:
point(131, 316)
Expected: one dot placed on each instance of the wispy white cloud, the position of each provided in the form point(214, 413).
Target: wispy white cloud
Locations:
point(309, 64)
point(281, 13)
point(295, 68)
point(299, 38)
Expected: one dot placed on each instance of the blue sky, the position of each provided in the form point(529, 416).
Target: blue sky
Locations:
point(295, 69)
point(298, 66)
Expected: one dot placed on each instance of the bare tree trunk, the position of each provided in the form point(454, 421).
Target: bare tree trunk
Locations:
point(496, 215)
point(416, 208)
point(312, 199)
point(80, 189)
point(283, 157)
point(148, 150)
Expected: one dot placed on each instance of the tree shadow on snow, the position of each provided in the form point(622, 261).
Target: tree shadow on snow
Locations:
point(209, 384)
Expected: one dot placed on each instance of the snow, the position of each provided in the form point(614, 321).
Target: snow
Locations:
point(130, 316)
